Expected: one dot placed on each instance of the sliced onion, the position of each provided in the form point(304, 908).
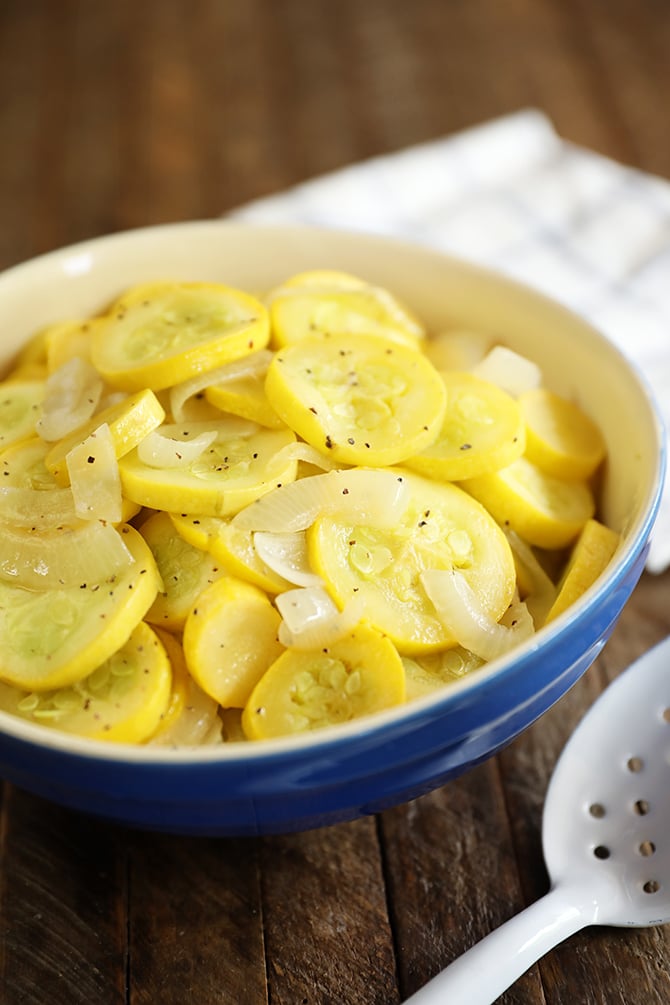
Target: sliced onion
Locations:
point(36, 508)
point(67, 556)
point(71, 398)
point(460, 612)
point(543, 591)
point(253, 365)
point(286, 554)
point(510, 371)
point(161, 450)
point(361, 496)
point(94, 477)
point(197, 725)
point(110, 399)
point(299, 451)
point(457, 350)
point(312, 620)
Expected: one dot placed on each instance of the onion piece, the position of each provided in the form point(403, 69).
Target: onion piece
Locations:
point(541, 590)
point(71, 397)
point(160, 450)
point(312, 620)
point(510, 371)
point(86, 552)
point(94, 477)
point(38, 509)
point(299, 451)
point(457, 349)
point(361, 495)
point(253, 365)
point(459, 610)
point(197, 725)
point(286, 554)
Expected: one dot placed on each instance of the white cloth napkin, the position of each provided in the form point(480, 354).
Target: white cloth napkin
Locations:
point(511, 194)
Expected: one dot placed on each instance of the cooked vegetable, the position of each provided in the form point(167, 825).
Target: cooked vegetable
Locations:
point(332, 512)
point(561, 439)
point(441, 528)
point(230, 639)
point(56, 636)
point(184, 570)
point(235, 469)
point(302, 691)
point(327, 302)
point(160, 333)
point(590, 556)
point(362, 399)
point(20, 403)
point(544, 510)
point(482, 431)
point(129, 421)
point(123, 699)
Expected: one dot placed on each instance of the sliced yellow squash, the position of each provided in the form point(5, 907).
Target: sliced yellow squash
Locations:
point(230, 473)
point(303, 691)
point(590, 556)
point(122, 700)
point(360, 399)
point(231, 546)
point(560, 438)
point(184, 570)
point(442, 528)
point(20, 406)
point(328, 302)
point(546, 511)
point(159, 334)
point(52, 638)
point(244, 396)
point(230, 639)
point(431, 671)
point(482, 431)
point(192, 717)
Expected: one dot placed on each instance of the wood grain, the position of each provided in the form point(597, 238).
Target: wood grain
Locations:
point(195, 922)
point(325, 917)
point(131, 113)
point(62, 906)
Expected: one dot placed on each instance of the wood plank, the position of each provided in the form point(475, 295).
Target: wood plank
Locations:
point(195, 925)
point(630, 44)
point(62, 906)
point(441, 852)
point(327, 933)
point(23, 32)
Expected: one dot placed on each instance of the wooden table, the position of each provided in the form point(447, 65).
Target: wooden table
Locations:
point(114, 115)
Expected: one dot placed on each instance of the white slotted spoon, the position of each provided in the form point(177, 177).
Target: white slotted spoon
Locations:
point(605, 838)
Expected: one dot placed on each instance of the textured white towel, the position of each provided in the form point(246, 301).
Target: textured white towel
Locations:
point(511, 194)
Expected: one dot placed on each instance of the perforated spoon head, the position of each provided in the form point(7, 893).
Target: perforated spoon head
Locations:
point(606, 822)
point(605, 836)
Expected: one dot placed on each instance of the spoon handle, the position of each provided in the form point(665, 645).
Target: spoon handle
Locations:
point(494, 964)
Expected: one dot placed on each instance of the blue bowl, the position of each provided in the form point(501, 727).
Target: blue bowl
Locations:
point(373, 763)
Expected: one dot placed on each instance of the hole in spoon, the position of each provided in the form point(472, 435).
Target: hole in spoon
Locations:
point(641, 807)
point(651, 886)
point(597, 810)
point(635, 764)
point(646, 848)
point(601, 851)
point(666, 714)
